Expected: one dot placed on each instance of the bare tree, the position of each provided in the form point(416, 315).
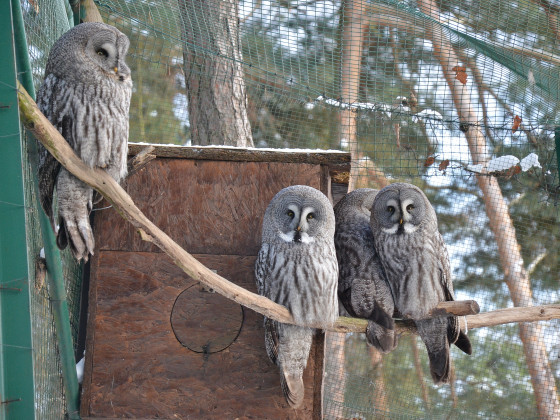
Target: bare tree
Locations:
point(516, 276)
point(354, 28)
point(217, 100)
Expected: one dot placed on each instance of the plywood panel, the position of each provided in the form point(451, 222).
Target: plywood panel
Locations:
point(138, 369)
point(136, 363)
point(205, 206)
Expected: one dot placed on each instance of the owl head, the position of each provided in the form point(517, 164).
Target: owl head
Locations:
point(354, 206)
point(87, 49)
point(402, 209)
point(300, 215)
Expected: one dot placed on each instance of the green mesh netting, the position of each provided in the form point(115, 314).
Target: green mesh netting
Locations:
point(44, 23)
point(386, 81)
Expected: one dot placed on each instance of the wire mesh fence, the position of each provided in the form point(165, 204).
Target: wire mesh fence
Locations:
point(458, 97)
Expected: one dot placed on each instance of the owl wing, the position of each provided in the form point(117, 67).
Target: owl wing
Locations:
point(48, 172)
point(362, 288)
point(262, 269)
point(291, 382)
point(454, 333)
point(52, 102)
point(49, 167)
point(346, 242)
point(271, 339)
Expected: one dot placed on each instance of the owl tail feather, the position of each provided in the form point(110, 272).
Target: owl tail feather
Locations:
point(433, 333)
point(464, 343)
point(292, 387)
point(458, 337)
point(439, 365)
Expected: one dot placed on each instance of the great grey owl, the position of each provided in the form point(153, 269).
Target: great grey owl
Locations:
point(416, 264)
point(86, 96)
point(362, 287)
point(296, 267)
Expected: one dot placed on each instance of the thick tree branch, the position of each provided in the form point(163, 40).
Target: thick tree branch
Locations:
point(36, 122)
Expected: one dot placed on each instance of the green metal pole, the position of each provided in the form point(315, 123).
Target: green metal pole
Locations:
point(557, 142)
point(17, 388)
point(69, 13)
point(52, 254)
point(76, 9)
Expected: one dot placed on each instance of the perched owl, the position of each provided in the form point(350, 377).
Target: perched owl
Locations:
point(296, 267)
point(416, 265)
point(86, 96)
point(362, 287)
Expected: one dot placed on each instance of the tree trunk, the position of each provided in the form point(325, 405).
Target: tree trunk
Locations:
point(516, 277)
point(379, 397)
point(353, 30)
point(420, 374)
point(217, 101)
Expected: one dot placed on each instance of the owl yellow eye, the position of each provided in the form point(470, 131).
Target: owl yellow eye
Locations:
point(409, 207)
point(390, 209)
point(102, 52)
point(290, 214)
point(310, 216)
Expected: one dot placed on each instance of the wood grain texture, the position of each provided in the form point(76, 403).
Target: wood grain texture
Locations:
point(204, 206)
point(336, 160)
point(140, 370)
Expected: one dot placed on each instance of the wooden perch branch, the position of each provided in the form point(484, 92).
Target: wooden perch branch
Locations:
point(36, 122)
point(485, 319)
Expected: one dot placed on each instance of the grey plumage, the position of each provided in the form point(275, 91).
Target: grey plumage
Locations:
point(296, 267)
point(416, 264)
point(362, 287)
point(86, 96)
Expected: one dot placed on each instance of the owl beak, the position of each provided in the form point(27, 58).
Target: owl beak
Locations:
point(401, 221)
point(298, 228)
point(116, 69)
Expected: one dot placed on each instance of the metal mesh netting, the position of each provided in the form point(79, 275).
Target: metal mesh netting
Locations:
point(458, 97)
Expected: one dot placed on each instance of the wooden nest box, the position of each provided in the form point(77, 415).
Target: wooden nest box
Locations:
point(160, 345)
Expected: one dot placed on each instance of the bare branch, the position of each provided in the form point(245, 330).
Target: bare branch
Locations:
point(485, 319)
point(536, 262)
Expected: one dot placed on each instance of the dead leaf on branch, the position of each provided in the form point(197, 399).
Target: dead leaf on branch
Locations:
point(429, 161)
point(443, 165)
point(513, 171)
point(516, 123)
point(35, 5)
point(460, 74)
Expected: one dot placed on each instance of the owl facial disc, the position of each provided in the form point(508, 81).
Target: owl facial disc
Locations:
point(400, 215)
point(299, 226)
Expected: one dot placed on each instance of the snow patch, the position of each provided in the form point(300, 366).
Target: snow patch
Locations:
point(530, 161)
